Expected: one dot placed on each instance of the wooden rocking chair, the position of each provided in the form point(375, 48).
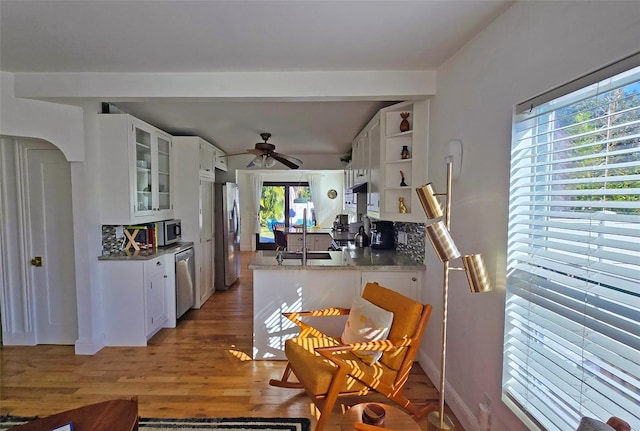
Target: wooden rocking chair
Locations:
point(327, 369)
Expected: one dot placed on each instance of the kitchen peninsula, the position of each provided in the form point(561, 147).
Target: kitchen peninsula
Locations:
point(329, 279)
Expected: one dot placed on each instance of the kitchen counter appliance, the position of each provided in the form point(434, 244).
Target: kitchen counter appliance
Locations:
point(185, 281)
point(169, 232)
point(341, 223)
point(382, 236)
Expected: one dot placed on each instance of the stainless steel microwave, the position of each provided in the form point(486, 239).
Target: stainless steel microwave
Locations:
point(169, 232)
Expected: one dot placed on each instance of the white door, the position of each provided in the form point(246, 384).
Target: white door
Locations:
point(206, 237)
point(49, 228)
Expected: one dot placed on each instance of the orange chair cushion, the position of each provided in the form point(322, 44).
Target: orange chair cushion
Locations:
point(406, 316)
point(316, 372)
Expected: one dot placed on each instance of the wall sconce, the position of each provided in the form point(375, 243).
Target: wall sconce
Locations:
point(439, 234)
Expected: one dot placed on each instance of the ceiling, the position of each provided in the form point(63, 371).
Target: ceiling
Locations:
point(177, 36)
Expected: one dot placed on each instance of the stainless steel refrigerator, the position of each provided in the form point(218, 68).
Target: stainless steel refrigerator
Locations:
point(227, 235)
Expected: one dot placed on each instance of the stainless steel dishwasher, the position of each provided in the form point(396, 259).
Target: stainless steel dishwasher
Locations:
point(185, 281)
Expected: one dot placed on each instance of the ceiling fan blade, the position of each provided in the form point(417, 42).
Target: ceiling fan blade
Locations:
point(235, 154)
point(288, 161)
point(257, 152)
point(290, 158)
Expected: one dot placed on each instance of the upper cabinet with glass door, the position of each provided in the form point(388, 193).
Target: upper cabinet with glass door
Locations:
point(135, 171)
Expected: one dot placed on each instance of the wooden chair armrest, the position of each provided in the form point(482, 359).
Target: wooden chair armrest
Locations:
point(336, 311)
point(307, 330)
point(384, 345)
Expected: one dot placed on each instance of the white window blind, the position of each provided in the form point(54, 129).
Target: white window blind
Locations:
point(572, 313)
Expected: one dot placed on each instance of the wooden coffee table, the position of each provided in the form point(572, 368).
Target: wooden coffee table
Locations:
point(395, 418)
point(121, 415)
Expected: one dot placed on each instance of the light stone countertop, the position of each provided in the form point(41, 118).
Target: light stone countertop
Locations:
point(347, 259)
point(147, 254)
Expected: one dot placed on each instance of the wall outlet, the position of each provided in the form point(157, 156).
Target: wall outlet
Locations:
point(119, 232)
point(487, 399)
point(402, 237)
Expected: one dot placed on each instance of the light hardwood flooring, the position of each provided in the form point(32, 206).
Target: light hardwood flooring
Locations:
point(201, 368)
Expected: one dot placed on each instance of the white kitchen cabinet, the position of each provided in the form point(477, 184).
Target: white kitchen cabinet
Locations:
point(394, 166)
point(315, 241)
point(220, 161)
point(404, 282)
point(373, 189)
point(207, 246)
point(360, 161)
point(155, 275)
point(207, 157)
point(136, 298)
point(276, 292)
point(321, 242)
point(135, 171)
point(194, 205)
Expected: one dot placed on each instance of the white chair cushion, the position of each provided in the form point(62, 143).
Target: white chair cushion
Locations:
point(590, 424)
point(367, 322)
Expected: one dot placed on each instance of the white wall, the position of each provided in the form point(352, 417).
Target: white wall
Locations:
point(68, 128)
point(330, 180)
point(531, 48)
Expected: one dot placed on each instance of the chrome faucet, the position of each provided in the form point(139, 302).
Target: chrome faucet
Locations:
point(304, 236)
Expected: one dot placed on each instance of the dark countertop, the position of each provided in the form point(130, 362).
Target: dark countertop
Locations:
point(147, 254)
point(347, 259)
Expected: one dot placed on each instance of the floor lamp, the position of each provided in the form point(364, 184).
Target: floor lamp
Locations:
point(438, 231)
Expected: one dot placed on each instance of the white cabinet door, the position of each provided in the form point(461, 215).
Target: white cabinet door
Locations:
point(207, 159)
point(162, 176)
point(404, 282)
point(135, 172)
point(294, 242)
point(321, 242)
point(206, 240)
point(373, 189)
point(220, 162)
point(152, 167)
point(154, 295)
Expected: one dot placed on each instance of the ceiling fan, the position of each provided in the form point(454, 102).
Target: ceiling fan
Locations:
point(266, 155)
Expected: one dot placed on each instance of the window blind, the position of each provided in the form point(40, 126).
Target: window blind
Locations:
point(572, 312)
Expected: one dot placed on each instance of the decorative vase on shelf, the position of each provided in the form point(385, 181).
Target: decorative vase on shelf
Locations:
point(402, 182)
point(402, 208)
point(404, 154)
point(404, 124)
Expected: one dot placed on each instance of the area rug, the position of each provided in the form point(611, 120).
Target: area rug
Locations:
point(198, 424)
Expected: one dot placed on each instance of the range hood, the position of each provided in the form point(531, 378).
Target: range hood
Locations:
point(360, 188)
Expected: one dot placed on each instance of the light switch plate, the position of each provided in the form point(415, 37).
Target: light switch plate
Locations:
point(402, 237)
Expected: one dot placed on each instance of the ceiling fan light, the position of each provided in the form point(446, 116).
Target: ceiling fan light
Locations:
point(268, 162)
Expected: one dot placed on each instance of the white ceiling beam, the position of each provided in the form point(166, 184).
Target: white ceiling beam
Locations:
point(347, 85)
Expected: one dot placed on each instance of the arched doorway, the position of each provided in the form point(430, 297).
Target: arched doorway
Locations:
point(38, 295)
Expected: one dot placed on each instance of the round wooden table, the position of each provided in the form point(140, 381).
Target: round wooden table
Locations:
point(121, 415)
point(395, 418)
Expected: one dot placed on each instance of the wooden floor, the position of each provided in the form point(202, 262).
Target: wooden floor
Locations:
point(201, 368)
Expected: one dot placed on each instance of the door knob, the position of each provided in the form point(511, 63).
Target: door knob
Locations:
point(36, 261)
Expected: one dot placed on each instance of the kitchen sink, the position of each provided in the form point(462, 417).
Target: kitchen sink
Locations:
point(310, 255)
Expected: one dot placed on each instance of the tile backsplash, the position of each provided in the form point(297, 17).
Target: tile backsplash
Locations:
point(110, 244)
point(414, 246)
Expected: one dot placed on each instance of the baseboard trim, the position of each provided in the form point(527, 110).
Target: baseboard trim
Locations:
point(18, 339)
point(89, 346)
point(462, 412)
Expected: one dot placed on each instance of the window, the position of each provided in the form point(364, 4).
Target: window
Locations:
point(572, 312)
point(280, 199)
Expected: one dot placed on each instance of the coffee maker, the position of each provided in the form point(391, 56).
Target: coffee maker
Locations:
point(341, 223)
point(382, 236)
